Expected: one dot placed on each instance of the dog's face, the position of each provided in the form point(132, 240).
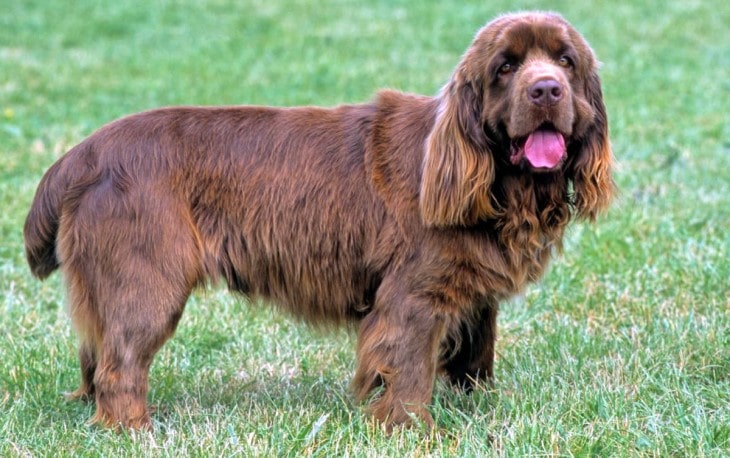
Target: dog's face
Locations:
point(534, 70)
point(526, 96)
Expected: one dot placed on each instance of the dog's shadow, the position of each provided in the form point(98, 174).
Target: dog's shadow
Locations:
point(259, 380)
point(280, 394)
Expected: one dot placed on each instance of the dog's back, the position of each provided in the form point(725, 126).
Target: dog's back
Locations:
point(244, 193)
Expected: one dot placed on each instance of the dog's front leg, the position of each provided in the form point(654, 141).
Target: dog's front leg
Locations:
point(469, 355)
point(398, 348)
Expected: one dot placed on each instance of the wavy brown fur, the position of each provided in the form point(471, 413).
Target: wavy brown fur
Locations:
point(409, 216)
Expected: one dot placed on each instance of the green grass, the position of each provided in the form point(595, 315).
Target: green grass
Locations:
point(623, 349)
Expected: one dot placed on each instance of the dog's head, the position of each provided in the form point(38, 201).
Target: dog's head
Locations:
point(525, 96)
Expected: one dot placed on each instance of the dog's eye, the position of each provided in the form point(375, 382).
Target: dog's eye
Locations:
point(565, 61)
point(506, 68)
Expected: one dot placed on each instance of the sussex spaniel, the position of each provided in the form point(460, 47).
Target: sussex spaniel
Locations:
point(410, 216)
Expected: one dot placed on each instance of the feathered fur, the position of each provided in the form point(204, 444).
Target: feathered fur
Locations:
point(409, 216)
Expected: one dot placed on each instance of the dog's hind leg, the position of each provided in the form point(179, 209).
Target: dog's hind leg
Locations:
point(87, 360)
point(82, 311)
point(129, 279)
point(126, 350)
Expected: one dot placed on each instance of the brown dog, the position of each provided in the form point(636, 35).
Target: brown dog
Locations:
point(412, 216)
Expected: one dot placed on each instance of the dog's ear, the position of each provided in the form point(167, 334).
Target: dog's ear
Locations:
point(458, 168)
point(593, 185)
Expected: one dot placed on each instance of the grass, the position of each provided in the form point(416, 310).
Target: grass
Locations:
point(623, 349)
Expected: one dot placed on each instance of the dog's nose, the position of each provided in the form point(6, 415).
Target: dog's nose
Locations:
point(545, 93)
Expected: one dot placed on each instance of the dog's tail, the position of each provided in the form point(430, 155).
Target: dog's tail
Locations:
point(41, 225)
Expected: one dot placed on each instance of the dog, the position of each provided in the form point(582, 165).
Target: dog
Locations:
point(410, 217)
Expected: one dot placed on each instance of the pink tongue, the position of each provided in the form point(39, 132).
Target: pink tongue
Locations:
point(544, 148)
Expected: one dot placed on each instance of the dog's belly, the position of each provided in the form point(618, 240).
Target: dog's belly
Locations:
point(302, 241)
point(318, 278)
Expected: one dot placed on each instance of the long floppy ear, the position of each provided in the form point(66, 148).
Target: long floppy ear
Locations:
point(593, 184)
point(458, 168)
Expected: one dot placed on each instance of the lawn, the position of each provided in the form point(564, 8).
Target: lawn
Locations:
point(622, 349)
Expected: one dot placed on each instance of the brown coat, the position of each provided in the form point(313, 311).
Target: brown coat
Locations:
point(412, 216)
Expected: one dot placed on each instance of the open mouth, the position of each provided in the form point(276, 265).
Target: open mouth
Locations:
point(542, 149)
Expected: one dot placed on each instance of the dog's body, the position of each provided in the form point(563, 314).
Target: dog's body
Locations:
point(396, 215)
